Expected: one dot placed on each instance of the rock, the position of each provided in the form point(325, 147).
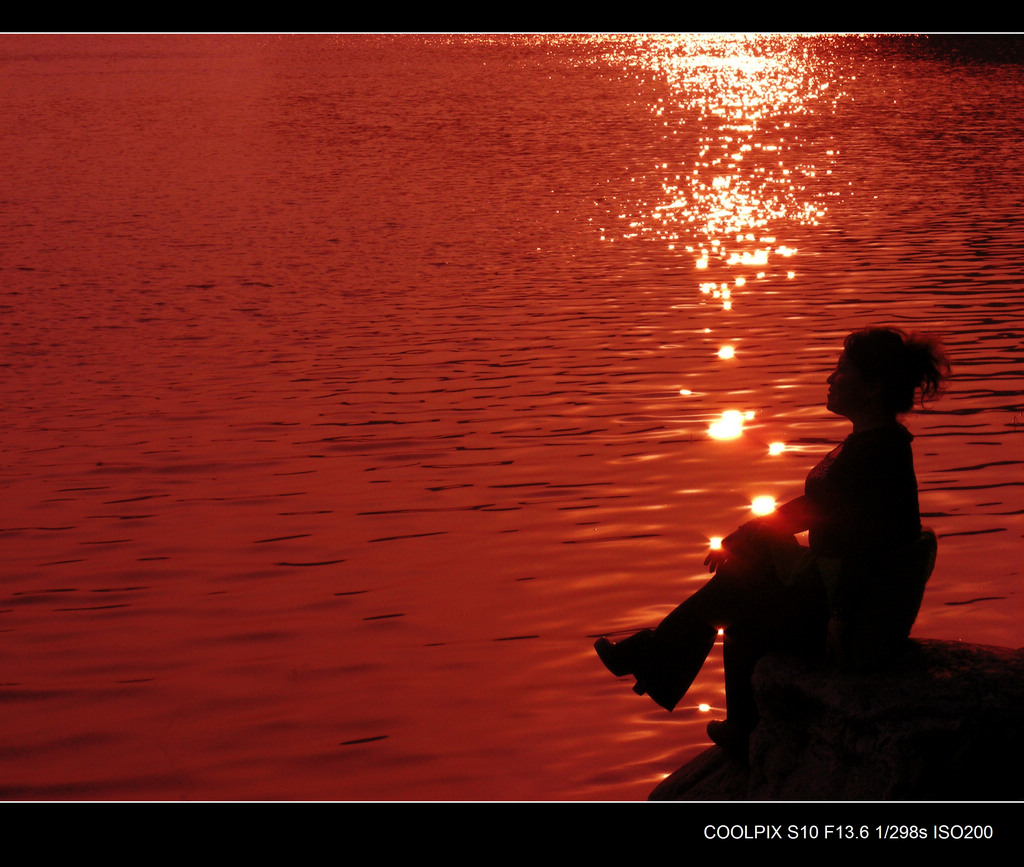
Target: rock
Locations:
point(712, 776)
point(943, 722)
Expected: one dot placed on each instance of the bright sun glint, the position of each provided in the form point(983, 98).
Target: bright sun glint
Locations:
point(728, 427)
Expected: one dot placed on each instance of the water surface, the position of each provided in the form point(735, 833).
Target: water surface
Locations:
point(353, 384)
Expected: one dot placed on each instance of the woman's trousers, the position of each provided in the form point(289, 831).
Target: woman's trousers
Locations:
point(774, 603)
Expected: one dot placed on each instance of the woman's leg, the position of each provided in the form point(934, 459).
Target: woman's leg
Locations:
point(790, 617)
point(737, 591)
point(739, 658)
point(666, 660)
point(759, 612)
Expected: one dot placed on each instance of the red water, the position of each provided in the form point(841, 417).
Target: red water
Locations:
point(353, 384)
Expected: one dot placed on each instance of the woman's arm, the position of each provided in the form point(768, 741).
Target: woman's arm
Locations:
point(789, 519)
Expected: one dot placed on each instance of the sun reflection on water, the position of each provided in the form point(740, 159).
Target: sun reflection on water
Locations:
point(728, 427)
point(721, 196)
point(742, 175)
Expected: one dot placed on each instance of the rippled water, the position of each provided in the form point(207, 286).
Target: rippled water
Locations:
point(353, 384)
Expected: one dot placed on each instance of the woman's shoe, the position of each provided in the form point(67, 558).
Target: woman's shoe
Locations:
point(663, 670)
point(626, 656)
point(732, 738)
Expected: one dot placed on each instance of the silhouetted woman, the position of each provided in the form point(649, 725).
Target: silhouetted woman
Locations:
point(854, 592)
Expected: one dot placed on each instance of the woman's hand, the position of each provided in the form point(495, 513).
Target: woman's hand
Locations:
point(748, 541)
point(716, 557)
point(739, 543)
point(744, 542)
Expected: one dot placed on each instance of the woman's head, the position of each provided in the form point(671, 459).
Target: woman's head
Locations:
point(901, 365)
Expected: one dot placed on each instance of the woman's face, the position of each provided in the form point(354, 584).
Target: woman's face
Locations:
point(849, 393)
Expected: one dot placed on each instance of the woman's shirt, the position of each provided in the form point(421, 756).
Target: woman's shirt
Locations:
point(861, 499)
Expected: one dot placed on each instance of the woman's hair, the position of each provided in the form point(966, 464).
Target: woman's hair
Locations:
point(903, 363)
